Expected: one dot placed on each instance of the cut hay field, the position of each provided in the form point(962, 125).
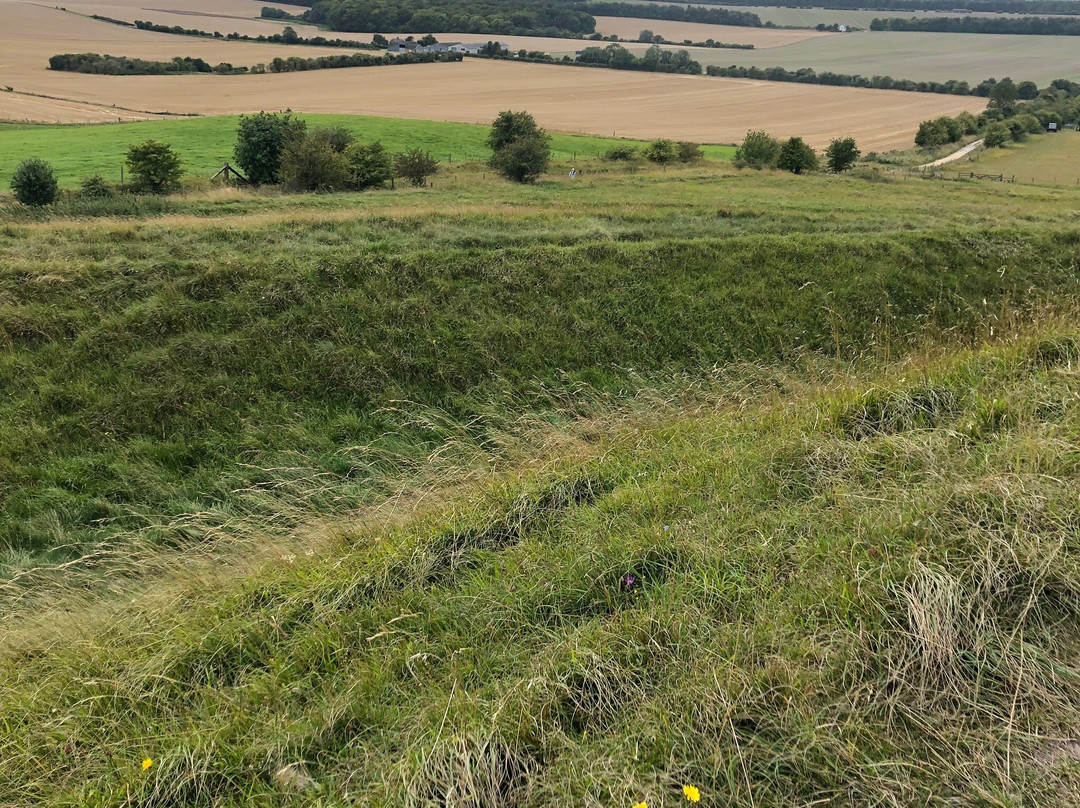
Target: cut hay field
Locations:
point(919, 56)
point(631, 27)
point(566, 99)
point(79, 151)
point(226, 16)
point(806, 16)
point(1042, 160)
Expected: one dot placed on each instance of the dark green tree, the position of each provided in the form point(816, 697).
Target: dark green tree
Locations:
point(370, 164)
point(289, 35)
point(337, 138)
point(796, 156)
point(1004, 94)
point(1027, 90)
point(511, 126)
point(415, 165)
point(34, 183)
point(758, 150)
point(842, 154)
point(260, 140)
point(524, 159)
point(154, 167)
point(931, 134)
point(379, 41)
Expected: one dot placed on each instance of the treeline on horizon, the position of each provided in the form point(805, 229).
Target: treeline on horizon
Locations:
point(125, 66)
point(652, 11)
point(1068, 7)
point(1036, 26)
point(508, 17)
point(807, 75)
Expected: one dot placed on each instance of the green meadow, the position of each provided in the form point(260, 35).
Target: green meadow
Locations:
point(747, 486)
point(204, 144)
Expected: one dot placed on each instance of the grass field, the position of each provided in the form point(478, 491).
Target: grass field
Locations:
point(521, 497)
point(205, 144)
point(1042, 159)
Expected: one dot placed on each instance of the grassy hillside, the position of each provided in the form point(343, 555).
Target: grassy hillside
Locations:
point(865, 597)
point(161, 369)
point(574, 494)
point(78, 151)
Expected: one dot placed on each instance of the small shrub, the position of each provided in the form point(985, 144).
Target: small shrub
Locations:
point(758, 150)
point(95, 187)
point(688, 152)
point(416, 166)
point(311, 165)
point(154, 167)
point(620, 153)
point(34, 183)
point(796, 156)
point(661, 151)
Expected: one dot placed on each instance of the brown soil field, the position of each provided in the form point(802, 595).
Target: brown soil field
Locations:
point(630, 27)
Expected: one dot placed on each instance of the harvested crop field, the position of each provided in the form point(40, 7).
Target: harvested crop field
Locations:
point(630, 27)
point(569, 99)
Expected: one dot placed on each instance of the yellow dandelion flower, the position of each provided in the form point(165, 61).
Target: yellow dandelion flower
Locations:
point(146, 764)
point(691, 793)
point(641, 804)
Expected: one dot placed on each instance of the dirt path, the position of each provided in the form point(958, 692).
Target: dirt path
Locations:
point(956, 155)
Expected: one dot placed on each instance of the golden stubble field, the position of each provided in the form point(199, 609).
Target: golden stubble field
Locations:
point(631, 27)
point(595, 101)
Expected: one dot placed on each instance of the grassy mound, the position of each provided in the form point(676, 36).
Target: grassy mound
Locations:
point(862, 597)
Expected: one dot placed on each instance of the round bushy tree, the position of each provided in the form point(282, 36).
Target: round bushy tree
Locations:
point(841, 154)
point(521, 150)
point(34, 183)
point(154, 167)
point(758, 150)
point(524, 159)
point(511, 126)
point(997, 134)
point(796, 156)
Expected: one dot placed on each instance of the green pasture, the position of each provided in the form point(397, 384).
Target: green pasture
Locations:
point(1051, 159)
point(204, 144)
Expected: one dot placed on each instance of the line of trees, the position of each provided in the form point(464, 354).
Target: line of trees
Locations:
point(807, 75)
point(760, 150)
point(1038, 26)
point(294, 64)
point(126, 66)
point(513, 17)
point(654, 60)
point(652, 11)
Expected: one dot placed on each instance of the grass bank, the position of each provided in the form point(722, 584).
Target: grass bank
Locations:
point(866, 594)
point(204, 144)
